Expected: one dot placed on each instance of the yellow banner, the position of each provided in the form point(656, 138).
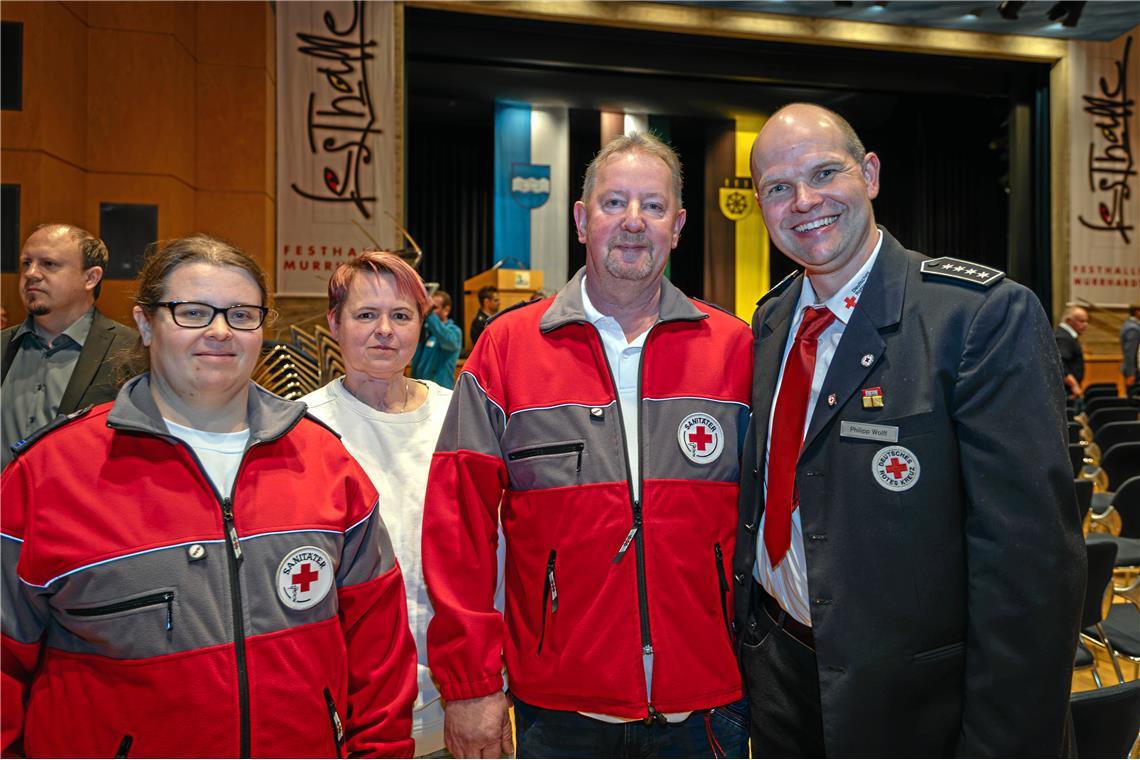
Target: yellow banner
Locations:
point(752, 279)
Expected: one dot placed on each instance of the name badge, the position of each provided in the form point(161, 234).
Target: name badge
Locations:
point(868, 432)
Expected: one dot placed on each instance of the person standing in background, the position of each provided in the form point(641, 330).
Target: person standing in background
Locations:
point(1074, 321)
point(440, 342)
point(488, 307)
point(62, 357)
point(1130, 345)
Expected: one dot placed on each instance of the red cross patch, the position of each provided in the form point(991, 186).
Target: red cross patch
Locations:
point(895, 468)
point(701, 438)
point(304, 577)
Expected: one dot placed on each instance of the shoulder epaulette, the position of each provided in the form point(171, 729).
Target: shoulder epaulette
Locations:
point(512, 307)
point(717, 307)
point(961, 271)
point(781, 286)
point(314, 418)
point(19, 447)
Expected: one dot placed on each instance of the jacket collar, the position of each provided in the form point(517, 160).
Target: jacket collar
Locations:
point(270, 416)
point(567, 306)
point(882, 299)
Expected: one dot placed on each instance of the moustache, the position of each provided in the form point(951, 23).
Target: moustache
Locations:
point(631, 239)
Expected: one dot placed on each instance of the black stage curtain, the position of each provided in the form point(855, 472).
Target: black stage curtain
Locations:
point(450, 192)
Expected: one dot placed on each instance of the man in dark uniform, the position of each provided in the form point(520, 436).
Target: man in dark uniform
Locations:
point(1074, 321)
point(909, 560)
point(488, 307)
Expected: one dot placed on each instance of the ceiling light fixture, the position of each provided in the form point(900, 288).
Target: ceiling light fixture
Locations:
point(1008, 9)
point(1068, 13)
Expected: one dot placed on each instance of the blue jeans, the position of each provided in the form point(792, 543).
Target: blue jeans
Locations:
point(719, 732)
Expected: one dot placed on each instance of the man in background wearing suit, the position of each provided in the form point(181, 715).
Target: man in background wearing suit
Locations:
point(909, 560)
point(60, 358)
point(1074, 321)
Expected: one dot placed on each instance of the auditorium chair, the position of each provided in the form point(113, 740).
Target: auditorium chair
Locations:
point(1098, 600)
point(1113, 433)
point(1100, 388)
point(1122, 627)
point(1091, 393)
point(1121, 462)
point(1102, 417)
point(1107, 402)
point(1106, 721)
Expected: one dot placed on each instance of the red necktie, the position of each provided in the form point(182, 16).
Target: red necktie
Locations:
point(788, 433)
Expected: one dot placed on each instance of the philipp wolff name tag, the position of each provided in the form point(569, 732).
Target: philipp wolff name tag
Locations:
point(868, 432)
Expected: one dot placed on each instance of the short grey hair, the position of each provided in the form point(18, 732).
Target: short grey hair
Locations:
point(635, 142)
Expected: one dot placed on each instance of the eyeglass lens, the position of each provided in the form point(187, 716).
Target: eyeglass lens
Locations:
point(239, 317)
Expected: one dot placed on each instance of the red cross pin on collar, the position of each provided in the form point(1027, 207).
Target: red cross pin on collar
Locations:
point(850, 302)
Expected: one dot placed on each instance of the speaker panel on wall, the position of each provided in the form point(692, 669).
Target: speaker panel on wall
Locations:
point(9, 228)
point(11, 65)
point(127, 229)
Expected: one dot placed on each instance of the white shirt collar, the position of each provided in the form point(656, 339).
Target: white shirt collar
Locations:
point(1069, 329)
point(607, 325)
point(852, 289)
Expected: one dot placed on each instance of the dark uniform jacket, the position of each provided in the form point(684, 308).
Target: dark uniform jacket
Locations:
point(93, 379)
point(945, 615)
point(1072, 357)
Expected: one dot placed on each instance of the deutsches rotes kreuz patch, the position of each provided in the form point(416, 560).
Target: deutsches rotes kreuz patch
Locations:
point(304, 577)
point(895, 468)
point(701, 438)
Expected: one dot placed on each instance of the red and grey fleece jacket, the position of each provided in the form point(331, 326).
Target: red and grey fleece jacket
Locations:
point(595, 580)
point(145, 614)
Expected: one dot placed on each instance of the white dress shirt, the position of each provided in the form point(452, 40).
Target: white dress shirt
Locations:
point(787, 581)
point(625, 364)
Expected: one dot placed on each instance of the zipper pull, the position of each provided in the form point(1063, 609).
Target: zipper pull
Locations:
point(720, 569)
point(550, 582)
point(228, 517)
point(168, 597)
point(632, 532)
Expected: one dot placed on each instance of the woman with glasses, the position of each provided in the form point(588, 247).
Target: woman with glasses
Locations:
point(199, 569)
point(390, 423)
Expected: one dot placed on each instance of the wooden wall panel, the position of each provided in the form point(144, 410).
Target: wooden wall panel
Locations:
point(112, 94)
point(21, 129)
point(245, 219)
point(234, 34)
point(63, 117)
point(140, 104)
point(231, 128)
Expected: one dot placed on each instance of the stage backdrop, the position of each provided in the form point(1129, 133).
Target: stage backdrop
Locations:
point(337, 141)
point(532, 209)
point(1104, 258)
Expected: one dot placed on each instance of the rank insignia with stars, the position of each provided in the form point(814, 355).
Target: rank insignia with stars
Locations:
point(962, 271)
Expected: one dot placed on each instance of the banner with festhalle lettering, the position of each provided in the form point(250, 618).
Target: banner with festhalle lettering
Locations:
point(336, 137)
point(1105, 140)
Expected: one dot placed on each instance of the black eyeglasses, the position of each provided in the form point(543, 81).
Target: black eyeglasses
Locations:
point(196, 315)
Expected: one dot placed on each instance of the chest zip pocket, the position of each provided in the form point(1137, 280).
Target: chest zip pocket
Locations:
point(150, 600)
point(334, 721)
point(549, 596)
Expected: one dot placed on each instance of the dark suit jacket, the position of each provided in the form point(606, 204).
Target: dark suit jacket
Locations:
point(945, 616)
point(93, 381)
point(1072, 357)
